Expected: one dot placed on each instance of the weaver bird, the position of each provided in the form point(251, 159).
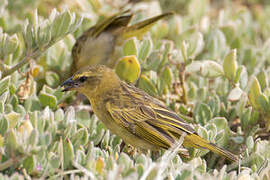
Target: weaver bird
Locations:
point(132, 114)
point(97, 44)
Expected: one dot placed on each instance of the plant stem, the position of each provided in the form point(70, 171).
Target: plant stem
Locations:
point(182, 83)
point(24, 61)
point(16, 67)
point(10, 162)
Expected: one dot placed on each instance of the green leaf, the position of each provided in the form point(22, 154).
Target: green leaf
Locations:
point(229, 31)
point(29, 164)
point(254, 117)
point(8, 44)
point(245, 118)
point(184, 47)
point(254, 93)
point(44, 34)
point(243, 77)
point(54, 160)
point(59, 115)
point(4, 97)
point(145, 49)
point(203, 133)
point(147, 85)
point(263, 79)
point(235, 94)
point(195, 45)
point(230, 65)
point(238, 74)
point(167, 76)
point(80, 138)
point(153, 61)
point(45, 139)
point(165, 79)
point(250, 143)
point(2, 107)
point(130, 47)
point(214, 104)
point(28, 36)
point(4, 125)
point(52, 78)
point(221, 123)
point(221, 138)
point(13, 118)
point(168, 46)
point(202, 113)
point(12, 89)
point(48, 100)
point(61, 24)
point(14, 101)
point(264, 103)
point(197, 9)
point(33, 138)
point(4, 84)
point(68, 153)
point(140, 169)
point(185, 174)
point(128, 68)
point(193, 67)
point(47, 89)
point(211, 69)
point(69, 115)
point(11, 143)
point(216, 44)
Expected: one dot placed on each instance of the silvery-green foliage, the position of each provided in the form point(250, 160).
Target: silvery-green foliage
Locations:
point(213, 72)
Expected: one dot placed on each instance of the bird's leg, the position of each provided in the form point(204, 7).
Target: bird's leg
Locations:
point(122, 146)
point(155, 155)
point(131, 150)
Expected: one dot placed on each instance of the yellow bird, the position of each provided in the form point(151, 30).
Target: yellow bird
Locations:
point(97, 44)
point(132, 114)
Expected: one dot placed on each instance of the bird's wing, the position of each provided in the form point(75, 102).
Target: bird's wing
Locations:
point(152, 123)
point(116, 21)
point(140, 28)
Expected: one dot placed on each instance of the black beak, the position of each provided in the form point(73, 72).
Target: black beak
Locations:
point(68, 84)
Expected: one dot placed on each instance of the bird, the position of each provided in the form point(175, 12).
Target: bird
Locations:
point(97, 44)
point(138, 118)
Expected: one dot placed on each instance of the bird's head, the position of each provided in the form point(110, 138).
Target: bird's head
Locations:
point(92, 80)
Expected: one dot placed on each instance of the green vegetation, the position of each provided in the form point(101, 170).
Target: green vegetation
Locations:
point(209, 63)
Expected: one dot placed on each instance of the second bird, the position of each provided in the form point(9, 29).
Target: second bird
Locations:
point(97, 44)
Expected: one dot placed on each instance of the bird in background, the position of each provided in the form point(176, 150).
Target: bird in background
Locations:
point(138, 118)
point(97, 44)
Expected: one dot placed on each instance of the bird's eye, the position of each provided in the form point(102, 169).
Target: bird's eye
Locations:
point(82, 79)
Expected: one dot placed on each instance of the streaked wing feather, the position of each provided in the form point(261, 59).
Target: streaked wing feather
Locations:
point(116, 21)
point(138, 123)
point(152, 135)
point(153, 124)
point(168, 117)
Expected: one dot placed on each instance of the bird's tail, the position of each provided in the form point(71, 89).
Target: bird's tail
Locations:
point(142, 27)
point(193, 140)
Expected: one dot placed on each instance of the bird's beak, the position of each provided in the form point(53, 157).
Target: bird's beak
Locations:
point(68, 84)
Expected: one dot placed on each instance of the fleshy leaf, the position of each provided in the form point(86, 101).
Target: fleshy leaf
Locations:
point(130, 47)
point(254, 93)
point(230, 65)
point(128, 68)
